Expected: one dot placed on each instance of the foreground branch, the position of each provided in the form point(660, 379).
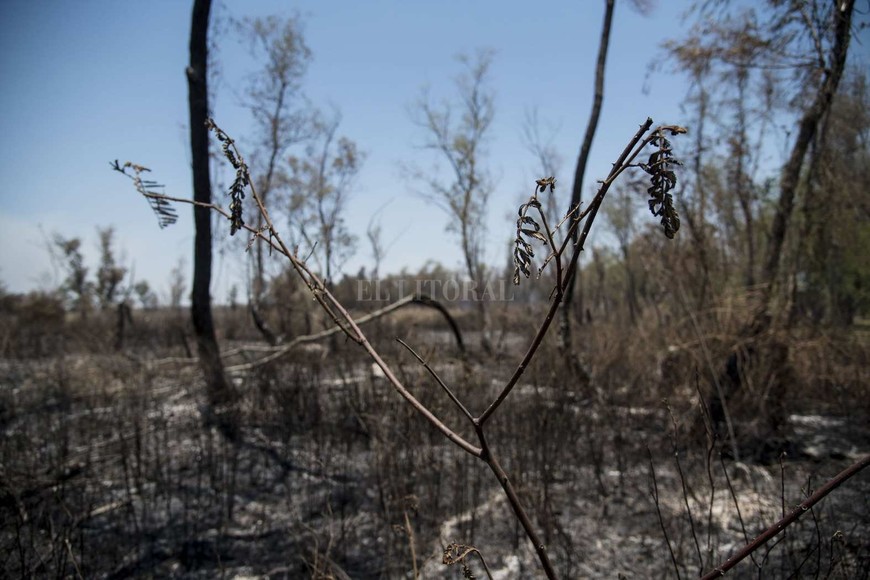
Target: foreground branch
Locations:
point(789, 519)
point(662, 179)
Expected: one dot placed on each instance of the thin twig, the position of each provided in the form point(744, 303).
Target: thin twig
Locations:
point(409, 530)
point(73, 558)
point(438, 380)
point(708, 463)
point(737, 506)
point(685, 487)
point(655, 495)
point(341, 317)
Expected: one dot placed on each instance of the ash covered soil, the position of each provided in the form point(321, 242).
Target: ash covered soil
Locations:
point(109, 469)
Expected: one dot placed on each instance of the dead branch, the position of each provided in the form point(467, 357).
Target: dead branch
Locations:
point(789, 519)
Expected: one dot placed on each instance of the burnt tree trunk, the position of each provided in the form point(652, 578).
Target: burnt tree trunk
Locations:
point(219, 392)
point(565, 341)
point(583, 158)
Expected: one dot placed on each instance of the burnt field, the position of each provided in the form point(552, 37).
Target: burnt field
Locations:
point(459, 290)
point(110, 468)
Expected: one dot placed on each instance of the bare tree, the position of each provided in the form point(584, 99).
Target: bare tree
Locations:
point(545, 154)
point(799, 49)
point(374, 233)
point(281, 118)
point(320, 184)
point(832, 64)
point(693, 198)
point(76, 287)
point(110, 274)
point(464, 195)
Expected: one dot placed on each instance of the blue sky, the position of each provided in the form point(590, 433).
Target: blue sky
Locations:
point(90, 81)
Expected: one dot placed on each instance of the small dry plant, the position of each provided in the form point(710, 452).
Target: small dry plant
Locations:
point(461, 554)
point(532, 229)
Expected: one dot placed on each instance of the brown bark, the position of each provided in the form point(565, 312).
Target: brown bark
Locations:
point(218, 388)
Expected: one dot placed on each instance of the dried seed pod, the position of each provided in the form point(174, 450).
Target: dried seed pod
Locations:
point(527, 227)
point(663, 179)
point(237, 189)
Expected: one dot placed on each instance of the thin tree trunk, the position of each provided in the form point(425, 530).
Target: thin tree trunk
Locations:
point(476, 276)
point(743, 187)
point(259, 285)
point(631, 286)
point(696, 217)
point(566, 345)
point(218, 388)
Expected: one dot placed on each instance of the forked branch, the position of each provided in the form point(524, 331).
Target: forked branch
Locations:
point(663, 179)
point(529, 232)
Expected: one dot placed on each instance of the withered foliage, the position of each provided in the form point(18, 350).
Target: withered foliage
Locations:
point(663, 179)
point(237, 189)
point(164, 211)
point(660, 167)
point(529, 229)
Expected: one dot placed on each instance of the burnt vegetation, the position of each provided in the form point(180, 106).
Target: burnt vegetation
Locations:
point(696, 411)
